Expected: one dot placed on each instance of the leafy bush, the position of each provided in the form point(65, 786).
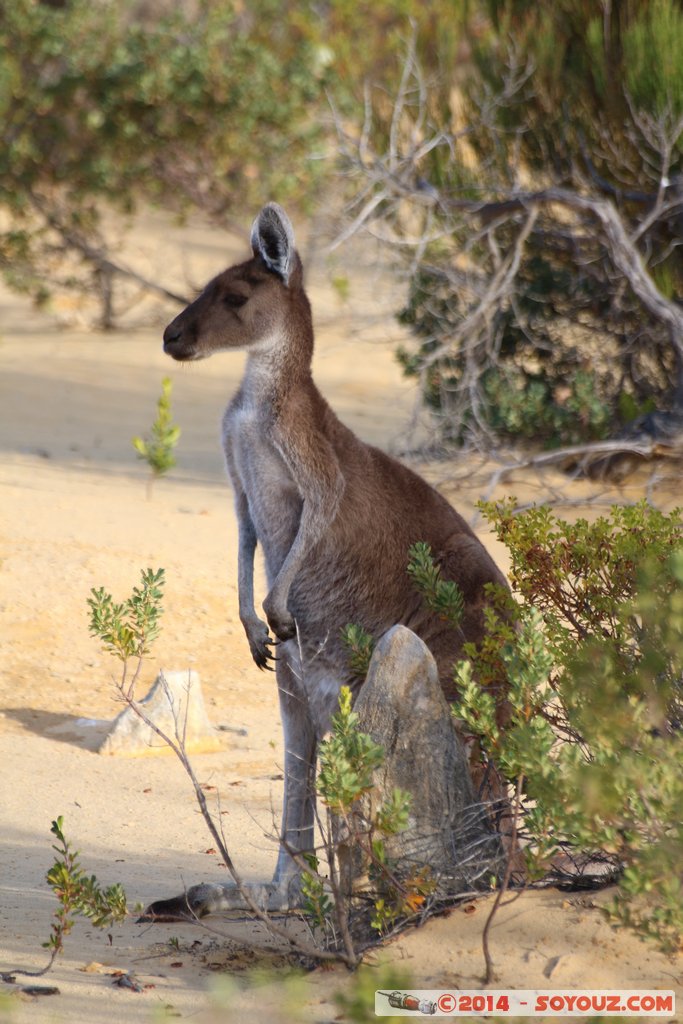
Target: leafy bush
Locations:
point(547, 383)
point(580, 575)
point(214, 106)
point(100, 106)
point(537, 218)
point(595, 696)
point(355, 835)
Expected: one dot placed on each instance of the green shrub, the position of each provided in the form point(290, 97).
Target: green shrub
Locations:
point(595, 692)
point(347, 762)
point(348, 758)
point(359, 645)
point(77, 895)
point(128, 629)
point(101, 105)
point(157, 449)
point(539, 388)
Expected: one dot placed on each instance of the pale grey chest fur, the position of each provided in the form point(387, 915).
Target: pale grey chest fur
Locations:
point(258, 470)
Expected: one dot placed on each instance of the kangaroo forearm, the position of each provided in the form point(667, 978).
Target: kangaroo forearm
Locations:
point(245, 597)
point(316, 519)
point(255, 629)
point(245, 567)
point(245, 594)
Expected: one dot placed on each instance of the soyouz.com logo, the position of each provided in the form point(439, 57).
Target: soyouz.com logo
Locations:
point(531, 1003)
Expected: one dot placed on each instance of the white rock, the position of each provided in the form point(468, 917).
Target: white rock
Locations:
point(175, 705)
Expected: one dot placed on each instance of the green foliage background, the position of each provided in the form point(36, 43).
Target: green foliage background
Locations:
point(214, 104)
point(99, 105)
point(219, 105)
point(572, 355)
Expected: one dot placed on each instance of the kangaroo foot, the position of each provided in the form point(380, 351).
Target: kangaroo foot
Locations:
point(209, 898)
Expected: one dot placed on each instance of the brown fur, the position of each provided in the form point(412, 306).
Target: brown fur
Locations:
point(335, 517)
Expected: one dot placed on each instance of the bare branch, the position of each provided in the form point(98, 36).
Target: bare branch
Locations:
point(581, 455)
point(625, 255)
point(177, 745)
point(98, 256)
point(496, 291)
point(359, 221)
point(488, 977)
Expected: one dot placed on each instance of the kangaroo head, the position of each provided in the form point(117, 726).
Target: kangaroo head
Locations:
point(248, 304)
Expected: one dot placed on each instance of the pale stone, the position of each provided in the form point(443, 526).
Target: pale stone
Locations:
point(402, 706)
point(175, 705)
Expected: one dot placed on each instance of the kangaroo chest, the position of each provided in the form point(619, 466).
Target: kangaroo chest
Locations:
point(259, 471)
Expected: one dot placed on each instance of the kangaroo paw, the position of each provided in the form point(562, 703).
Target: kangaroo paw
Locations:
point(280, 621)
point(282, 625)
point(260, 644)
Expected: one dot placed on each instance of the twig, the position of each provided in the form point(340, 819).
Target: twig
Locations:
point(178, 747)
point(359, 221)
point(99, 257)
point(488, 977)
point(581, 451)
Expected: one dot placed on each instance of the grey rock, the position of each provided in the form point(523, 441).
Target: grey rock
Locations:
point(401, 705)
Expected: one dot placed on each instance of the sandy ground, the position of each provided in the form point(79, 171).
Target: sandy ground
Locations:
point(74, 515)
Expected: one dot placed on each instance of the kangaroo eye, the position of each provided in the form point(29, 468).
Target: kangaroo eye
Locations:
point(233, 300)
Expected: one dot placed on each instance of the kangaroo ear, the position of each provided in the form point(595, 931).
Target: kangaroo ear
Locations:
point(272, 238)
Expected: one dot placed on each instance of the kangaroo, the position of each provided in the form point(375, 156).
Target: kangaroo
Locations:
point(334, 516)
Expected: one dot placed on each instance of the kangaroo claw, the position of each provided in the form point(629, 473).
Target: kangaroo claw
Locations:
point(262, 656)
point(259, 643)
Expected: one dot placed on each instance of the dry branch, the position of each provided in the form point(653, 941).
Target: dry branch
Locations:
point(100, 259)
point(483, 261)
point(177, 745)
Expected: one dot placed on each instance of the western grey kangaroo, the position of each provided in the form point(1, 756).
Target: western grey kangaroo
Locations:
point(334, 516)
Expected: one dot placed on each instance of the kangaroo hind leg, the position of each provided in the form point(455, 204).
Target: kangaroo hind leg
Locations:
point(298, 812)
point(298, 809)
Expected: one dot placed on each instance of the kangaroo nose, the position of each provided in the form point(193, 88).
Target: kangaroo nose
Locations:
point(172, 334)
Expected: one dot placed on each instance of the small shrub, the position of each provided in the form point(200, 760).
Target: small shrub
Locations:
point(77, 894)
point(595, 688)
point(157, 449)
point(128, 629)
point(442, 596)
point(348, 759)
point(315, 900)
point(359, 645)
